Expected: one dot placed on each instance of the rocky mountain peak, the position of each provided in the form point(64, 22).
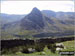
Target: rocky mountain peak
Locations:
point(36, 11)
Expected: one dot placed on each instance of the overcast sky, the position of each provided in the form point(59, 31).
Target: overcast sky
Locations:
point(24, 7)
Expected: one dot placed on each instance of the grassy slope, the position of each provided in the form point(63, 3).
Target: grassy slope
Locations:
point(69, 45)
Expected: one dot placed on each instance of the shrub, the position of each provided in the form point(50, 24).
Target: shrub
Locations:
point(52, 47)
point(39, 47)
point(25, 50)
point(10, 50)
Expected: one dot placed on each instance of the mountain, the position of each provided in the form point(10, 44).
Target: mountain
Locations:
point(33, 21)
point(49, 13)
point(7, 18)
point(46, 21)
point(63, 15)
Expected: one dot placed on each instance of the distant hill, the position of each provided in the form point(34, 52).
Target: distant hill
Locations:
point(7, 18)
point(63, 15)
point(37, 22)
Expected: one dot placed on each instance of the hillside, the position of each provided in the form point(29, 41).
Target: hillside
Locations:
point(37, 22)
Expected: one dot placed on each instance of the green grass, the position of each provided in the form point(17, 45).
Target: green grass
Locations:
point(69, 45)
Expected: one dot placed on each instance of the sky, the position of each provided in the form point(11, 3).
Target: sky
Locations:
point(25, 7)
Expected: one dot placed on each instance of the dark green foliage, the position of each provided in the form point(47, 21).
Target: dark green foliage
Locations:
point(10, 50)
point(3, 51)
point(52, 47)
point(24, 49)
point(39, 47)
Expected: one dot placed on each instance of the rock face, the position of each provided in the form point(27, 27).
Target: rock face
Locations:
point(60, 46)
point(33, 21)
point(59, 49)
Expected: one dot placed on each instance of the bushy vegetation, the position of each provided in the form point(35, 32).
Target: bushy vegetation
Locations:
point(39, 47)
point(10, 50)
point(47, 50)
point(14, 50)
point(52, 47)
point(24, 49)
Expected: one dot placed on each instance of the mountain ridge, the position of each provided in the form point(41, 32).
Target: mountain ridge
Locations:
point(39, 22)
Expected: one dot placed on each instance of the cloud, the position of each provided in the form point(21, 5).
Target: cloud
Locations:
point(24, 7)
